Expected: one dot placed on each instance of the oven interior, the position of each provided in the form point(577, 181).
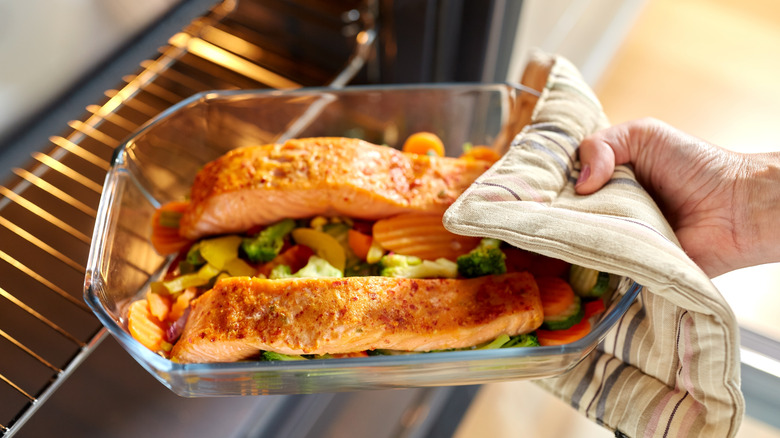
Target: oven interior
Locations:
point(58, 366)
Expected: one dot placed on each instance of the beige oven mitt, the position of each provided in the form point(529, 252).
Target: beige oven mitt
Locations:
point(670, 366)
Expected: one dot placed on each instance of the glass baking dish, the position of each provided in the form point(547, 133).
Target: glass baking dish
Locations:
point(158, 163)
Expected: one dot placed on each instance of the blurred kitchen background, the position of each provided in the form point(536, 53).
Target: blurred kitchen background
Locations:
point(709, 67)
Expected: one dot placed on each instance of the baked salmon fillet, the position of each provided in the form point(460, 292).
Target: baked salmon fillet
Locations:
point(242, 315)
point(259, 185)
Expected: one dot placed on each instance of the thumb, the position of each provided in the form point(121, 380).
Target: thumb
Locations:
point(597, 160)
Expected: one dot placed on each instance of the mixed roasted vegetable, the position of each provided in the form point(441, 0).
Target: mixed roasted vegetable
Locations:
point(409, 245)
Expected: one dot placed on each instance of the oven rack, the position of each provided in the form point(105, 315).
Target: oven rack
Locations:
point(48, 207)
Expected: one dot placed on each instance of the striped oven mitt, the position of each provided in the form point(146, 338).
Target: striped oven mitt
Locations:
point(671, 366)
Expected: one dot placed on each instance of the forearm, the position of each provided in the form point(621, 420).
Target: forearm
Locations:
point(759, 187)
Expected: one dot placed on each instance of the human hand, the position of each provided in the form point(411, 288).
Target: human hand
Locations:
point(723, 206)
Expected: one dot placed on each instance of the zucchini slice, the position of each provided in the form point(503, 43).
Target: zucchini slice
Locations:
point(572, 315)
point(588, 283)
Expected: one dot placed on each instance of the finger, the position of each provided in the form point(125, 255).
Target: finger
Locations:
point(597, 161)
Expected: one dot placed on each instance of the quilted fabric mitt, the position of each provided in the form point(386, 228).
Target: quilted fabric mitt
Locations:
point(670, 367)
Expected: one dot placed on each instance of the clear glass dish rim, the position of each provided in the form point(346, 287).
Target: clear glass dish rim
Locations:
point(205, 96)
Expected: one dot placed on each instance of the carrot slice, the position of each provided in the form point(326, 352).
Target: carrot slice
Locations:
point(359, 243)
point(182, 302)
point(481, 153)
point(355, 354)
point(421, 235)
point(556, 294)
point(560, 337)
point(144, 327)
point(165, 228)
point(159, 305)
point(424, 143)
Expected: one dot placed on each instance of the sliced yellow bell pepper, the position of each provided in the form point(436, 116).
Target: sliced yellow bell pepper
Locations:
point(323, 244)
point(220, 250)
point(239, 268)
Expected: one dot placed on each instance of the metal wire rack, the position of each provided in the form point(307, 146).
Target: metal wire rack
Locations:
point(48, 208)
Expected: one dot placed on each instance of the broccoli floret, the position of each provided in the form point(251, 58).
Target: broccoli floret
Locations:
point(396, 265)
point(486, 259)
point(280, 271)
point(526, 340)
point(362, 270)
point(274, 356)
point(506, 341)
point(495, 343)
point(316, 267)
point(266, 244)
point(194, 258)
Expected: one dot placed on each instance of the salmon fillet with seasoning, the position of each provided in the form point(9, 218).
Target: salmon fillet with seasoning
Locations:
point(242, 315)
point(259, 185)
